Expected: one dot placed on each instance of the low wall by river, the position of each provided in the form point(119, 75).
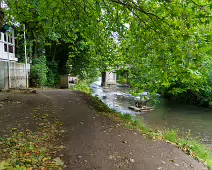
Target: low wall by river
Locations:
point(17, 75)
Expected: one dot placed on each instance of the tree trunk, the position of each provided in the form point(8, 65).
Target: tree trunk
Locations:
point(53, 50)
point(36, 46)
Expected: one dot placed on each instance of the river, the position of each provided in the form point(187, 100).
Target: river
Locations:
point(168, 114)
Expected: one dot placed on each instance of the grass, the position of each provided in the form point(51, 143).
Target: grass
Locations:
point(170, 136)
point(82, 86)
point(189, 146)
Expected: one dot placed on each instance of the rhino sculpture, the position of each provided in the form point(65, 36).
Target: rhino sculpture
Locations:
point(141, 100)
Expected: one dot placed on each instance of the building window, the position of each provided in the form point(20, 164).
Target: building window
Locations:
point(5, 38)
point(10, 48)
point(10, 39)
point(5, 47)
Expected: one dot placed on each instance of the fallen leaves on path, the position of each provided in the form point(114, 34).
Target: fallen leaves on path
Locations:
point(29, 150)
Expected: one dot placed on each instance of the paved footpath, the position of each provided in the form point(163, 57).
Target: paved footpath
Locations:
point(93, 142)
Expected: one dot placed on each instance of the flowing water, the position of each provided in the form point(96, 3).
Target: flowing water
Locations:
point(167, 114)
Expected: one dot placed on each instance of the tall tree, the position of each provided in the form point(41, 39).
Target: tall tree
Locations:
point(166, 43)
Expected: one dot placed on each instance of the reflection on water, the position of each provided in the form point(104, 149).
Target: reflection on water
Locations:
point(167, 114)
point(170, 114)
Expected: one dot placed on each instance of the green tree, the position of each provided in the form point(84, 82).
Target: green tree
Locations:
point(166, 44)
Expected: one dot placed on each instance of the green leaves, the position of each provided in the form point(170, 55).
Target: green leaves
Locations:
point(169, 51)
point(164, 43)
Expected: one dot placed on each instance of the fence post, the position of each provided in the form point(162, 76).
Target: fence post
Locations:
point(25, 48)
point(8, 62)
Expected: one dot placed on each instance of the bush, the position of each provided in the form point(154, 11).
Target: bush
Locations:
point(53, 76)
point(38, 72)
point(122, 80)
point(82, 86)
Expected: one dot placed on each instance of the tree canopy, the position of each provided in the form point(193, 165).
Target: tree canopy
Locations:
point(165, 43)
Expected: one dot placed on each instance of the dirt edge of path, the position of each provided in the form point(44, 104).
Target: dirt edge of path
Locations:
point(127, 122)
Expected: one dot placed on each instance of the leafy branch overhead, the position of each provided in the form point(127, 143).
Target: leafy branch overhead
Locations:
point(166, 43)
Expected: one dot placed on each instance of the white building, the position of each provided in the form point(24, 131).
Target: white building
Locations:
point(3, 4)
point(12, 74)
point(4, 55)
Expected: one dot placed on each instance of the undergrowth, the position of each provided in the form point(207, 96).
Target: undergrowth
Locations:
point(82, 86)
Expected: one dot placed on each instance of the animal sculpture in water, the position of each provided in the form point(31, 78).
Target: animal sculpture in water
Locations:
point(142, 102)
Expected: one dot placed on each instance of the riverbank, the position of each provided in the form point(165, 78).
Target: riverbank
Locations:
point(90, 138)
point(188, 145)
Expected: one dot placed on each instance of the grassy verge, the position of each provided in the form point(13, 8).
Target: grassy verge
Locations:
point(189, 146)
point(82, 86)
point(27, 150)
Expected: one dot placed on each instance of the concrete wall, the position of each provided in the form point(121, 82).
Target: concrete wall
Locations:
point(17, 75)
point(3, 75)
point(66, 81)
point(108, 78)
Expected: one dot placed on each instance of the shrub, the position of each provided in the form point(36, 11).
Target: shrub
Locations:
point(82, 86)
point(122, 80)
point(53, 76)
point(38, 72)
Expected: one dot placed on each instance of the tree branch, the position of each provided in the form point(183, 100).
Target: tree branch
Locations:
point(83, 9)
point(199, 4)
point(133, 5)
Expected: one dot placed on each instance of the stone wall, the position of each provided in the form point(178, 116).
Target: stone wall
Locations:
point(67, 81)
point(108, 79)
point(17, 75)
